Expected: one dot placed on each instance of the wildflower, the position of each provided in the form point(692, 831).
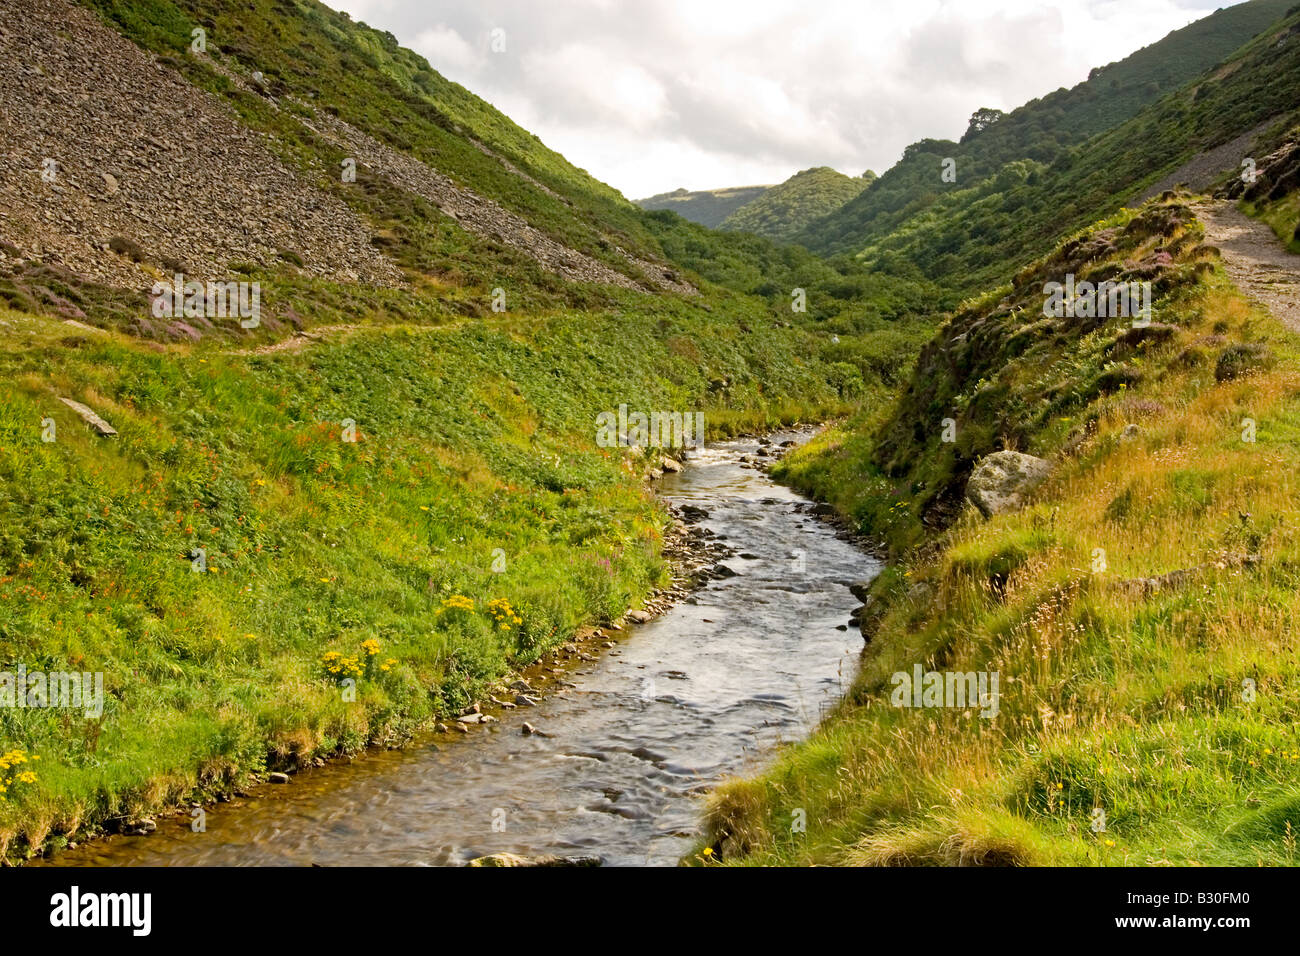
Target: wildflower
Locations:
point(457, 602)
point(503, 614)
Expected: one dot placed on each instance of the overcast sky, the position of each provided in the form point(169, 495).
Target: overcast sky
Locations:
point(650, 95)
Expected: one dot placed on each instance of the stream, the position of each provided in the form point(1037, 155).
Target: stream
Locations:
point(634, 740)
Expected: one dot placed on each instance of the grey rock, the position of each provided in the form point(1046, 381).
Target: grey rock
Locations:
point(102, 427)
point(1002, 481)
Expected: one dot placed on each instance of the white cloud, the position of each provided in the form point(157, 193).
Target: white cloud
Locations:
point(650, 95)
point(447, 51)
point(591, 82)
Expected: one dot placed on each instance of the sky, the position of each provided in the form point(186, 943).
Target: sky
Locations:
point(653, 95)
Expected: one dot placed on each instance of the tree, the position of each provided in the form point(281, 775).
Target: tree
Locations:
point(980, 120)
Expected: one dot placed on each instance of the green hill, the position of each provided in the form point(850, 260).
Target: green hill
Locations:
point(783, 211)
point(708, 207)
point(1030, 162)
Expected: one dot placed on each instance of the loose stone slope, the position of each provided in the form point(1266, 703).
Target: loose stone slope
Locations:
point(149, 172)
point(122, 173)
point(479, 215)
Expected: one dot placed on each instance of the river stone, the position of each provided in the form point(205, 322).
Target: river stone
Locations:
point(1001, 481)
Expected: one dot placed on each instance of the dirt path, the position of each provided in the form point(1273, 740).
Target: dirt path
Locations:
point(1255, 259)
point(300, 340)
point(297, 341)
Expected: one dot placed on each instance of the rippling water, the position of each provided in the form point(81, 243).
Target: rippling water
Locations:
point(703, 692)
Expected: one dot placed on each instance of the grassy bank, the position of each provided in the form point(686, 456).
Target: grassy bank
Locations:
point(327, 559)
point(1147, 716)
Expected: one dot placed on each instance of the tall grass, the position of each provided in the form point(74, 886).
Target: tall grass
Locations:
point(1137, 725)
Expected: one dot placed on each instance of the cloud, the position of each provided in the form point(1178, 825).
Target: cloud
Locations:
point(650, 95)
point(441, 44)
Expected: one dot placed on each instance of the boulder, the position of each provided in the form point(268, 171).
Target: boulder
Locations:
point(1003, 480)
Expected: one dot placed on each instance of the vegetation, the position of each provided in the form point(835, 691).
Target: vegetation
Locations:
point(1051, 167)
point(708, 207)
point(783, 211)
point(1139, 612)
point(324, 558)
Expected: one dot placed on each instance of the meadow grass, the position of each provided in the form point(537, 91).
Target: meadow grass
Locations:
point(327, 559)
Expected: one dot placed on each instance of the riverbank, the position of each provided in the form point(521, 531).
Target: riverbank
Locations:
point(1137, 611)
point(417, 510)
point(624, 743)
point(693, 558)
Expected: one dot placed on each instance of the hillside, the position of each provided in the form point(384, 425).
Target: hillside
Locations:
point(783, 211)
point(708, 207)
point(1025, 179)
point(1134, 604)
point(1138, 609)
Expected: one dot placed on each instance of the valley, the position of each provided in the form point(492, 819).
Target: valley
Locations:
point(413, 497)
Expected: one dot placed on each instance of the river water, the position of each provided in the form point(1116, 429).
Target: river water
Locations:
point(705, 691)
